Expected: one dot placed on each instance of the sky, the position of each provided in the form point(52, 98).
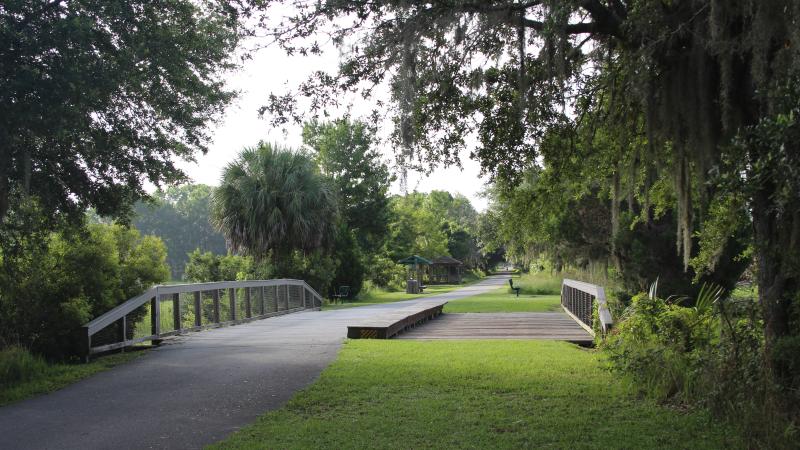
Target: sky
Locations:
point(271, 70)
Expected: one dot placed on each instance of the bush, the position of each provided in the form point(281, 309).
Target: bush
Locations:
point(18, 365)
point(350, 270)
point(385, 273)
point(52, 283)
point(707, 355)
point(207, 267)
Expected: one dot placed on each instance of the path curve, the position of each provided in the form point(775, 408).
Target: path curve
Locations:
point(194, 389)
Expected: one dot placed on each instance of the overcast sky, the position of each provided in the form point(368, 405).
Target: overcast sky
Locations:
point(271, 70)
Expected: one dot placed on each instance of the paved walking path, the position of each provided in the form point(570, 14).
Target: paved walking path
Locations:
point(194, 389)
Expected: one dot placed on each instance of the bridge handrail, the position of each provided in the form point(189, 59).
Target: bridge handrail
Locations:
point(155, 293)
point(581, 307)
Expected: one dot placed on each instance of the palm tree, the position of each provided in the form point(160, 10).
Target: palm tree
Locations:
point(274, 199)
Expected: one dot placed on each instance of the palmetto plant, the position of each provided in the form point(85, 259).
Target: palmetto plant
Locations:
point(273, 199)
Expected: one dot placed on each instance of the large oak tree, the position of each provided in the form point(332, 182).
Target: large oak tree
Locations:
point(98, 97)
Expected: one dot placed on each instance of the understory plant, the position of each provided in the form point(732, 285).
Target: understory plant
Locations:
point(705, 352)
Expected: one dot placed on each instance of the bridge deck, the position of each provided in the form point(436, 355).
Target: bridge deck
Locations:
point(392, 323)
point(556, 326)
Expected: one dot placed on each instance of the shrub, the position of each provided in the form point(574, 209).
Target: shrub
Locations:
point(708, 355)
point(51, 285)
point(206, 267)
point(385, 273)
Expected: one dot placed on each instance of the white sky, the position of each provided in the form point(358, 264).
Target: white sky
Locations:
point(271, 70)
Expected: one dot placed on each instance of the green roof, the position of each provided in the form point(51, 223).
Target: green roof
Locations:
point(413, 259)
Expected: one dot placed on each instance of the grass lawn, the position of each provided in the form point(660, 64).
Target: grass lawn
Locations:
point(51, 377)
point(502, 300)
point(473, 394)
point(376, 296)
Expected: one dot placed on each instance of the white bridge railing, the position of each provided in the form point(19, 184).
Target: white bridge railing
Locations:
point(168, 310)
point(580, 300)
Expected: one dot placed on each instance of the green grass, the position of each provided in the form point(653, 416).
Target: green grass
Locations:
point(376, 296)
point(503, 300)
point(41, 377)
point(539, 283)
point(473, 394)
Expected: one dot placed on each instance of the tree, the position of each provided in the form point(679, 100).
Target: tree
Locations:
point(345, 152)
point(180, 217)
point(415, 229)
point(52, 283)
point(272, 201)
point(715, 84)
point(98, 98)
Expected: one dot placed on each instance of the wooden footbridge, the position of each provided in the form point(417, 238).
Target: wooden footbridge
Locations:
point(583, 304)
point(171, 310)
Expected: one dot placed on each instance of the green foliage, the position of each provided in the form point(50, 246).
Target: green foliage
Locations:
point(345, 151)
point(706, 352)
point(385, 273)
point(204, 267)
point(18, 365)
point(180, 217)
point(350, 270)
point(52, 283)
point(272, 201)
point(100, 98)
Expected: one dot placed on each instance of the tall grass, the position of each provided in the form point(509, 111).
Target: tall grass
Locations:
point(24, 374)
point(18, 365)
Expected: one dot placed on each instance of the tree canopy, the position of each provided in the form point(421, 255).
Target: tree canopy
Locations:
point(272, 201)
point(180, 217)
point(345, 151)
point(99, 97)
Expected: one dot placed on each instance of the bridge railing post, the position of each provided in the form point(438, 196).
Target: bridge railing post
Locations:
point(176, 312)
point(215, 297)
point(232, 302)
point(198, 309)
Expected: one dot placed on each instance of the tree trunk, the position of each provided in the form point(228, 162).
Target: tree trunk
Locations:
point(777, 238)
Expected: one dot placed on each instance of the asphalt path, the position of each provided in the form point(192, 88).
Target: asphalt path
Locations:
point(194, 389)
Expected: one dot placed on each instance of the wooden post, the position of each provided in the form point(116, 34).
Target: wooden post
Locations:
point(124, 332)
point(303, 289)
point(121, 332)
point(198, 309)
point(248, 308)
point(86, 343)
point(232, 302)
point(176, 312)
point(215, 296)
point(155, 315)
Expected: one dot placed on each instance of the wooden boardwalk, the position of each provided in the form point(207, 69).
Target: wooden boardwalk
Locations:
point(555, 326)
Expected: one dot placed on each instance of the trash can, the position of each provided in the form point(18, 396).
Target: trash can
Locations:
point(412, 287)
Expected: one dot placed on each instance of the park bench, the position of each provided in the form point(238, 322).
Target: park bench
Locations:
point(515, 289)
point(341, 293)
